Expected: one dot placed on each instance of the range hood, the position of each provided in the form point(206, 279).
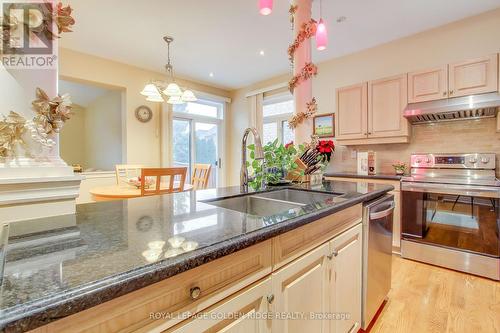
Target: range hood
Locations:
point(458, 108)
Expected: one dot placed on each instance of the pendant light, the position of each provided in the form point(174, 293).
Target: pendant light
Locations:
point(154, 91)
point(150, 90)
point(321, 33)
point(265, 7)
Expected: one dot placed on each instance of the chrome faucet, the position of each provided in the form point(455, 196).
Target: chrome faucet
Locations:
point(259, 155)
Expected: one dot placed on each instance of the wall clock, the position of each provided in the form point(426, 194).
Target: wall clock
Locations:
point(143, 113)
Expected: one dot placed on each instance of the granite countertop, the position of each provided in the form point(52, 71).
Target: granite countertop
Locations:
point(387, 176)
point(107, 249)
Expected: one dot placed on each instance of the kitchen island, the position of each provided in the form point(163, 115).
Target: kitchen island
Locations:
point(173, 252)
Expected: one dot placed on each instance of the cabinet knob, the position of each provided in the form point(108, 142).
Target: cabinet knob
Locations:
point(444, 93)
point(270, 299)
point(195, 292)
point(451, 92)
point(333, 254)
point(369, 133)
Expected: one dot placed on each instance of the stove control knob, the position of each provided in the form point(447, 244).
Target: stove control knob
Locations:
point(485, 160)
point(473, 160)
point(419, 160)
point(428, 160)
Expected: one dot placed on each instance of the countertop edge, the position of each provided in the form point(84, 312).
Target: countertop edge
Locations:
point(355, 175)
point(40, 313)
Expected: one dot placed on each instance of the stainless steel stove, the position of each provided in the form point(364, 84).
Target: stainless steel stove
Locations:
point(450, 212)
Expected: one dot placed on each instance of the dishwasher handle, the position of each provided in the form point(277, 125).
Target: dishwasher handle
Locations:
point(384, 213)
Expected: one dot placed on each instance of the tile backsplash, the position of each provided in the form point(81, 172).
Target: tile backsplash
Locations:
point(446, 137)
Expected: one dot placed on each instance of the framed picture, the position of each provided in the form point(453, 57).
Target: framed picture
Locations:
point(324, 125)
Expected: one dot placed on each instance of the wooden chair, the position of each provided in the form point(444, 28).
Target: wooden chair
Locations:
point(201, 173)
point(127, 170)
point(158, 173)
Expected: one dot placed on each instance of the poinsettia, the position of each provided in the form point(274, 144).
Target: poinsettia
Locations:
point(325, 148)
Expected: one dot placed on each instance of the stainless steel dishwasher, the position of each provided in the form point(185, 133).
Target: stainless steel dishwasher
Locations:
point(377, 255)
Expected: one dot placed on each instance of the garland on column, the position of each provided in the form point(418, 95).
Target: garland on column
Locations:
point(307, 31)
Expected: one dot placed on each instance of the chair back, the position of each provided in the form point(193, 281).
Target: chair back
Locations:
point(176, 180)
point(200, 176)
point(129, 170)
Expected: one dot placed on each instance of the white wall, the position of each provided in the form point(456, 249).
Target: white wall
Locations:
point(103, 132)
point(72, 138)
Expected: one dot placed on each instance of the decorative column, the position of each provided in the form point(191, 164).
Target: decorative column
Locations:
point(34, 181)
point(302, 56)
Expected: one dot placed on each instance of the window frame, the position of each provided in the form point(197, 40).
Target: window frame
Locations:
point(219, 122)
point(280, 118)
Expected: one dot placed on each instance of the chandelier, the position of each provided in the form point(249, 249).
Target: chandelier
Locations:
point(157, 91)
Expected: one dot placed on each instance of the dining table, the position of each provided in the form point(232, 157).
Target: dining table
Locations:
point(123, 191)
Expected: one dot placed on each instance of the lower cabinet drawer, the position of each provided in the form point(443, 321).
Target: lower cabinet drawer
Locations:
point(293, 244)
point(156, 307)
point(246, 312)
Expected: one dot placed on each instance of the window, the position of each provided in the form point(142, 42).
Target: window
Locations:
point(197, 128)
point(202, 108)
point(276, 111)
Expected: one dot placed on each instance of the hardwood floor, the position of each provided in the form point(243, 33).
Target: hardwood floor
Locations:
point(426, 298)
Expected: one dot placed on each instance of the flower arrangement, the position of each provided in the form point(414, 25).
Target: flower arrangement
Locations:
point(63, 18)
point(307, 30)
point(12, 130)
point(305, 74)
point(51, 114)
point(49, 119)
point(298, 118)
point(399, 167)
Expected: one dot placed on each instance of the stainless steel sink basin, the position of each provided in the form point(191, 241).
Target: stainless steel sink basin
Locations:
point(299, 196)
point(274, 202)
point(255, 205)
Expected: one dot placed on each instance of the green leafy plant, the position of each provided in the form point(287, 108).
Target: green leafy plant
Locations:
point(278, 160)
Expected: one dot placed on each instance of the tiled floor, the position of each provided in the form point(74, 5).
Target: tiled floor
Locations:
point(426, 298)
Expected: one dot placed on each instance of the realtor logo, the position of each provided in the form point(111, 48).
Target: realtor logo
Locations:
point(27, 35)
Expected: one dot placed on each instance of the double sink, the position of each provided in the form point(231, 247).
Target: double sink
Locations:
point(274, 202)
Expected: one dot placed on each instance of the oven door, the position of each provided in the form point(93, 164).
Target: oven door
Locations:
point(460, 217)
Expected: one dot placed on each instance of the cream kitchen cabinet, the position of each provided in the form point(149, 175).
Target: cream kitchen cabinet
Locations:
point(245, 312)
point(474, 76)
point(346, 284)
point(372, 112)
point(387, 99)
point(428, 85)
point(323, 286)
point(302, 287)
point(352, 116)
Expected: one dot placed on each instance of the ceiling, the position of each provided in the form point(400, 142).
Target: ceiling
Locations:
point(81, 94)
point(224, 37)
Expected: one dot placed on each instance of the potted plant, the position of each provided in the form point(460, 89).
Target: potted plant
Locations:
point(399, 167)
point(278, 161)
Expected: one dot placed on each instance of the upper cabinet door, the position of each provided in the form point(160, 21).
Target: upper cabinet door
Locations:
point(475, 76)
point(387, 99)
point(428, 85)
point(351, 115)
